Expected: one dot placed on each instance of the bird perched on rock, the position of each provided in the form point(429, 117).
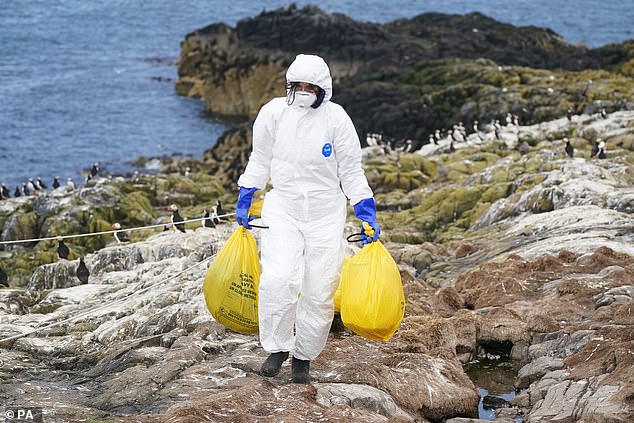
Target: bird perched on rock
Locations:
point(56, 183)
point(601, 153)
point(4, 191)
point(120, 236)
point(40, 183)
point(17, 192)
point(62, 249)
point(70, 185)
point(604, 114)
point(220, 211)
point(25, 189)
point(569, 114)
point(82, 271)
point(31, 186)
point(94, 170)
point(208, 222)
point(4, 279)
point(570, 151)
point(176, 218)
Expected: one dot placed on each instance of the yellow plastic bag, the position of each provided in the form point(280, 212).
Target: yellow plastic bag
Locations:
point(337, 297)
point(372, 298)
point(231, 283)
point(256, 208)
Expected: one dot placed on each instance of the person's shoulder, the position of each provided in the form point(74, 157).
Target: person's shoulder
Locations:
point(337, 113)
point(275, 104)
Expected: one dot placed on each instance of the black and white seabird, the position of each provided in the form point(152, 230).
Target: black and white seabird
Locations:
point(82, 271)
point(176, 218)
point(208, 222)
point(120, 236)
point(55, 182)
point(17, 192)
point(31, 185)
point(62, 249)
point(220, 211)
point(94, 170)
point(70, 185)
point(570, 151)
point(5, 191)
point(40, 183)
point(604, 114)
point(4, 279)
point(25, 189)
point(214, 216)
point(569, 114)
point(601, 154)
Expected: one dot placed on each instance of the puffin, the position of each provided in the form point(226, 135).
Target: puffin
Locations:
point(40, 183)
point(120, 236)
point(570, 151)
point(82, 271)
point(176, 219)
point(208, 222)
point(62, 249)
point(55, 182)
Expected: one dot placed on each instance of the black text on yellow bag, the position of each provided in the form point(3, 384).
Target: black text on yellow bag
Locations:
point(231, 283)
point(372, 298)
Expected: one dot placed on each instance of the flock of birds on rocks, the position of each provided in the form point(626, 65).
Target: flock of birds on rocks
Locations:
point(458, 133)
point(212, 217)
point(32, 187)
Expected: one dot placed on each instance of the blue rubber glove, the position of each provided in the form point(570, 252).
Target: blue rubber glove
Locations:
point(366, 211)
point(242, 207)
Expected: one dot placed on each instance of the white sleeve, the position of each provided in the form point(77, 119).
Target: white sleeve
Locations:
point(258, 169)
point(348, 152)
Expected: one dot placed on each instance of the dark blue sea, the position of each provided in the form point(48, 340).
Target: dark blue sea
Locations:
point(87, 80)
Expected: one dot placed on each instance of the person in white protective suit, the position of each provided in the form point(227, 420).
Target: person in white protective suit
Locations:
point(309, 148)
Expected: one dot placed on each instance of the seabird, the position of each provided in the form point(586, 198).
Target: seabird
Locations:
point(451, 147)
point(62, 249)
point(70, 184)
point(94, 170)
point(570, 151)
point(569, 114)
point(40, 183)
point(220, 211)
point(214, 215)
point(475, 126)
point(5, 191)
point(82, 271)
point(31, 185)
point(17, 192)
point(25, 189)
point(176, 218)
point(188, 171)
point(509, 119)
point(120, 236)
point(595, 148)
point(208, 222)
point(603, 113)
point(4, 279)
point(602, 150)
point(516, 120)
point(55, 182)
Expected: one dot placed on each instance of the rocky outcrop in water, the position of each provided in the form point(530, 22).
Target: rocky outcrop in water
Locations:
point(408, 77)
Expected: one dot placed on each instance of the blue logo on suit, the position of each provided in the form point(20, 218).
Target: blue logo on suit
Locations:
point(326, 150)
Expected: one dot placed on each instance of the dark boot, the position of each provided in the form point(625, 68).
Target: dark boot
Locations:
point(273, 363)
point(299, 371)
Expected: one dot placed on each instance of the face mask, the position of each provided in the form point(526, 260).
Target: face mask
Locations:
point(303, 100)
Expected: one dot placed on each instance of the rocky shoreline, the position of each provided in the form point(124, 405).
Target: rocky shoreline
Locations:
point(508, 248)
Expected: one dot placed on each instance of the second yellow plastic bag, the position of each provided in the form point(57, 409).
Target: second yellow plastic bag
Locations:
point(372, 298)
point(231, 283)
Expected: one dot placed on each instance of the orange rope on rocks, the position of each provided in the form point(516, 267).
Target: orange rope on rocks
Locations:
point(20, 241)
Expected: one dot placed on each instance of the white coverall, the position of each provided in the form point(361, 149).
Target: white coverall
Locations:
point(310, 155)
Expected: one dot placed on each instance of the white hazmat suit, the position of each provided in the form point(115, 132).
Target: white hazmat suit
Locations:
point(313, 158)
